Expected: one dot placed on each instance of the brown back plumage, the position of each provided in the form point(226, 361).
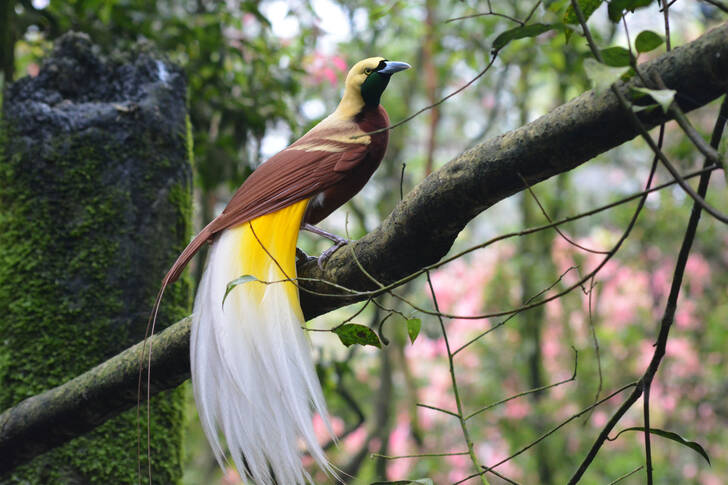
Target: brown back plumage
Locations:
point(325, 158)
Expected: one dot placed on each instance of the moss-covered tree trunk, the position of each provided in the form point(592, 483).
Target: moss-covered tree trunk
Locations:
point(95, 182)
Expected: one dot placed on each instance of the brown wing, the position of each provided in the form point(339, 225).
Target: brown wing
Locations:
point(292, 175)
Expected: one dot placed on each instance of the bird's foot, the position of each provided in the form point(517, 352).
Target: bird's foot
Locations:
point(338, 242)
point(327, 254)
point(317, 230)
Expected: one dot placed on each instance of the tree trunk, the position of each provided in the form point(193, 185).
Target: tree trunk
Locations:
point(7, 40)
point(95, 182)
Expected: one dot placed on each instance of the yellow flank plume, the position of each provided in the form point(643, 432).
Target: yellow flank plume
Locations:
point(268, 251)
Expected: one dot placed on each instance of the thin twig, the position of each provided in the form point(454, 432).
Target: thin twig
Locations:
point(373, 293)
point(494, 56)
point(551, 431)
point(619, 479)
point(531, 391)
point(453, 379)
point(645, 382)
point(419, 455)
point(489, 13)
point(401, 182)
point(559, 231)
point(500, 324)
point(435, 408)
point(595, 340)
point(524, 232)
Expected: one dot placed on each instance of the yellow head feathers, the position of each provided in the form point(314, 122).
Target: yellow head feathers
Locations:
point(365, 83)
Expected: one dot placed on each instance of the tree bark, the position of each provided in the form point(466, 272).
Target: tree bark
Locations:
point(7, 40)
point(422, 227)
point(95, 182)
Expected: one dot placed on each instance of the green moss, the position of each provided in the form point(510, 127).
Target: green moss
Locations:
point(190, 141)
point(83, 244)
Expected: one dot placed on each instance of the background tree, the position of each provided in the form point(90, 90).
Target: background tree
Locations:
point(95, 190)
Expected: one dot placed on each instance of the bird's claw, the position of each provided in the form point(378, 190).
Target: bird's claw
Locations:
point(302, 257)
point(327, 254)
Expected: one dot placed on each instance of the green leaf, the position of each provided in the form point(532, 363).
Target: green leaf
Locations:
point(616, 7)
point(237, 281)
point(413, 328)
point(647, 41)
point(353, 333)
point(602, 76)
point(648, 108)
point(530, 30)
point(587, 7)
point(616, 56)
point(554, 5)
point(664, 97)
point(671, 436)
point(378, 12)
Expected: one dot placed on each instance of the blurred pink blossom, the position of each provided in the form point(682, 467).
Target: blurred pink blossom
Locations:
point(322, 433)
point(622, 296)
point(399, 445)
point(339, 63)
point(495, 450)
point(355, 440)
point(231, 477)
point(33, 69)
point(661, 279)
point(685, 317)
point(710, 479)
point(322, 67)
point(599, 419)
point(517, 408)
point(689, 470)
point(697, 272)
point(458, 466)
point(686, 360)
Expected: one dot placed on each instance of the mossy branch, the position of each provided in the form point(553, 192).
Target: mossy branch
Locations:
point(420, 231)
point(53, 417)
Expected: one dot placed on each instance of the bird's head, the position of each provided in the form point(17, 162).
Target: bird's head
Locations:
point(366, 82)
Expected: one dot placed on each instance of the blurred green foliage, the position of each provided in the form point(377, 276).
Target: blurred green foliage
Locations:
point(240, 77)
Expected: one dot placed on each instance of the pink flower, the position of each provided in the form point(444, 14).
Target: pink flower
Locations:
point(322, 433)
point(339, 63)
point(686, 359)
point(330, 75)
point(33, 69)
point(459, 466)
point(661, 280)
point(325, 68)
point(355, 440)
point(231, 477)
point(689, 470)
point(685, 317)
point(398, 469)
point(599, 419)
point(697, 271)
point(710, 479)
point(517, 408)
point(399, 445)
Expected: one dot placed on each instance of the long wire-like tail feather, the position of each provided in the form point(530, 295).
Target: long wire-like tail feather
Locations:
point(252, 373)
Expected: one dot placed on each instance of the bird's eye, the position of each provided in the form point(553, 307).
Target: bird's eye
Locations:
point(367, 71)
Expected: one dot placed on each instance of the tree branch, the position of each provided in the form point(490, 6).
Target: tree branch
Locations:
point(420, 231)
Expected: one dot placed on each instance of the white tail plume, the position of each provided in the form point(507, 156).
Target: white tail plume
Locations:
point(252, 373)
